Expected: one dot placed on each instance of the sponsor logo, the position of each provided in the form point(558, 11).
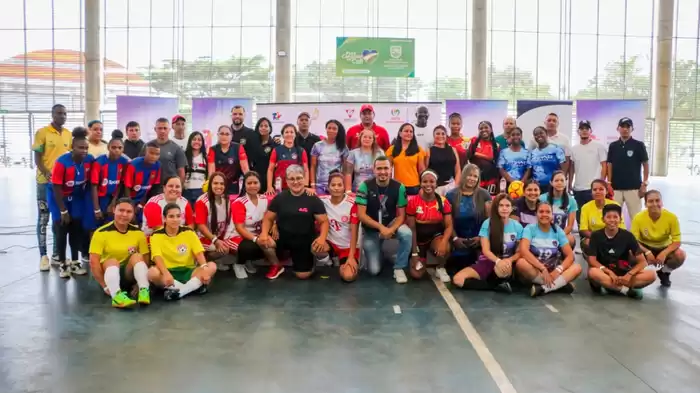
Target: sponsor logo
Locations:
point(131, 250)
point(395, 52)
point(276, 115)
point(70, 183)
point(137, 188)
point(395, 116)
point(105, 182)
point(345, 219)
point(350, 112)
point(303, 210)
point(419, 210)
point(182, 249)
point(294, 156)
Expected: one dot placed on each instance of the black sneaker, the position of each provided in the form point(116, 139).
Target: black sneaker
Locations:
point(664, 278)
point(568, 289)
point(171, 294)
point(503, 287)
point(536, 290)
point(202, 290)
point(595, 287)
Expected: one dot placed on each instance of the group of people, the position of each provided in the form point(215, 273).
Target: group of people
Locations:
point(166, 212)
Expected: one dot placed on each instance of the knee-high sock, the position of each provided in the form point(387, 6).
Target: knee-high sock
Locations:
point(558, 283)
point(190, 286)
point(666, 269)
point(141, 274)
point(112, 280)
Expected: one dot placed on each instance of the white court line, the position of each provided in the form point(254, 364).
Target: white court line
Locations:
point(492, 366)
point(397, 309)
point(550, 307)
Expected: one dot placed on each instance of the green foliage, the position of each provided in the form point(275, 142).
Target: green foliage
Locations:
point(512, 84)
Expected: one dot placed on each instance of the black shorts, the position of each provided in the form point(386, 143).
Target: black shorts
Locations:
point(299, 248)
point(655, 251)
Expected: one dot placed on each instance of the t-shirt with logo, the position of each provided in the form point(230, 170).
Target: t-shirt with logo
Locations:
point(545, 245)
point(283, 157)
point(484, 154)
point(52, 143)
point(153, 213)
point(592, 216)
point(229, 163)
point(561, 215)
point(429, 215)
point(140, 177)
point(340, 219)
point(196, 174)
point(512, 233)
point(328, 158)
point(544, 162)
point(614, 252)
point(296, 213)
point(224, 218)
point(72, 176)
point(245, 212)
point(362, 165)
point(515, 163)
point(176, 251)
point(109, 243)
point(172, 158)
point(107, 175)
point(460, 144)
point(657, 234)
point(523, 212)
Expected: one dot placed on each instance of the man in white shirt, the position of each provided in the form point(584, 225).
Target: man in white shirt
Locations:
point(551, 124)
point(588, 162)
point(180, 135)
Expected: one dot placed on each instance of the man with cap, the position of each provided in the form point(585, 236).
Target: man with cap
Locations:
point(305, 138)
point(367, 122)
point(588, 162)
point(180, 137)
point(627, 157)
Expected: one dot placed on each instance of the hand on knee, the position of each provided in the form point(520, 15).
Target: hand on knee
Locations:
point(303, 275)
point(348, 273)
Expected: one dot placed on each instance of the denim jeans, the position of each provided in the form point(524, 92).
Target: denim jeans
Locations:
point(43, 220)
point(372, 249)
point(582, 197)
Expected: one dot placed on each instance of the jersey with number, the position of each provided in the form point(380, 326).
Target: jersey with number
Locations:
point(545, 246)
point(153, 213)
point(202, 216)
point(251, 215)
point(340, 217)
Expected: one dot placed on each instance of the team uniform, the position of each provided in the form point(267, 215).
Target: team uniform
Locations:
point(141, 177)
point(655, 236)
point(484, 154)
point(560, 215)
point(430, 219)
point(545, 246)
point(328, 158)
point(228, 163)
point(515, 163)
point(153, 213)
point(512, 233)
point(592, 217)
point(245, 212)
point(543, 162)
point(178, 252)
point(340, 219)
point(282, 157)
point(224, 224)
point(73, 178)
point(109, 243)
point(460, 144)
point(107, 175)
point(523, 213)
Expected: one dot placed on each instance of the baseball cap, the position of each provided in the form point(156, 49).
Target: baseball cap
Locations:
point(625, 121)
point(584, 124)
point(366, 107)
point(178, 117)
point(304, 114)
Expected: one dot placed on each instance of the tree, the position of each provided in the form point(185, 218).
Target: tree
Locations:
point(512, 83)
point(205, 77)
point(619, 79)
point(445, 88)
point(685, 94)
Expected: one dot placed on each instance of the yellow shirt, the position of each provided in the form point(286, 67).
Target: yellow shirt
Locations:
point(97, 150)
point(657, 234)
point(52, 143)
point(109, 243)
point(406, 167)
point(592, 217)
point(176, 251)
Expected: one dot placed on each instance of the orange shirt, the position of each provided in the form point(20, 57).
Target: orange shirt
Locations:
point(406, 167)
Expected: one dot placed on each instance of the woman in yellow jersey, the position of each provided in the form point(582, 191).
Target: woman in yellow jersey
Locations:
point(592, 213)
point(659, 235)
point(118, 255)
point(407, 158)
point(180, 267)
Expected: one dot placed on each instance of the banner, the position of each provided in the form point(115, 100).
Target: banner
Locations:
point(532, 113)
point(145, 111)
point(390, 115)
point(210, 113)
point(387, 57)
point(475, 111)
point(605, 114)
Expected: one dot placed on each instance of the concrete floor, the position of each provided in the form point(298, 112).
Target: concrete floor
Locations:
point(324, 336)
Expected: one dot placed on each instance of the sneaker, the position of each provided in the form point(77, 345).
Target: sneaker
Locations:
point(597, 288)
point(250, 268)
point(55, 261)
point(441, 274)
point(144, 296)
point(64, 270)
point(635, 293)
point(325, 261)
point(122, 300)
point(503, 287)
point(568, 289)
point(223, 268)
point(202, 290)
point(536, 290)
point(239, 271)
point(85, 259)
point(77, 268)
point(171, 293)
point(274, 272)
point(44, 265)
point(664, 278)
point(400, 276)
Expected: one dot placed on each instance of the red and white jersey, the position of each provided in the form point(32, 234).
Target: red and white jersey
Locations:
point(202, 216)
point(340, 217)
point(247, 213)
point(153, 213)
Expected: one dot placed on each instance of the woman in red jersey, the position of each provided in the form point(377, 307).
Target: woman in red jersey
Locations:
point(483, 152)
point(153, 211)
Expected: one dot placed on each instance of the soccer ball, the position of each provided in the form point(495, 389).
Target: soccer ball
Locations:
point(515, 189)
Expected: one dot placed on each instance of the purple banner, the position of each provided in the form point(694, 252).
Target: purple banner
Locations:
point(475, 111)
point(210, 113)
point(145, 111)
point(605, 114)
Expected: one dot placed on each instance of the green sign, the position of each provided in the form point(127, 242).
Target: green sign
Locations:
point(388, 57)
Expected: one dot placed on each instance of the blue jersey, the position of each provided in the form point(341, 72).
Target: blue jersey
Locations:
point(545, 245)
point(561, 216)
point(71, 176)
point(512, 233)
point(107, 174)
point(544, 162)
point(514, 162)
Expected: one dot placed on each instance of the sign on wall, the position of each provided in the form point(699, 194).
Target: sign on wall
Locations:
point(382, 57)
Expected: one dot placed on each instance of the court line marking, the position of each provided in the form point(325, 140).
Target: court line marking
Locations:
point(397, 309)
point(550, 307)
point(491, 364)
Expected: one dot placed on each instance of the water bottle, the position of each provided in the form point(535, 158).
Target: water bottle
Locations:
point(504, 185)
point(278, 184)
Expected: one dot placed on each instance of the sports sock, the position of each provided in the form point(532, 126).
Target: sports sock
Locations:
point(666, 269)
point(177, 285)
point(624, 290)
point(558, 283)
point(141, 274)
point(190, 286)
point(538, 280)
point(112, 280)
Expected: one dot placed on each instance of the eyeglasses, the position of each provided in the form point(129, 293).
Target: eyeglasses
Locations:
point(295, 179)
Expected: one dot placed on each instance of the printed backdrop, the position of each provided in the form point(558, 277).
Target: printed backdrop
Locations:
point(475, 111)
point(532, 113)
point(605, 114)
point(210, 113)
point(145, 111)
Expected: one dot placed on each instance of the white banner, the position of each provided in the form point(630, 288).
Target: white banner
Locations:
point(532, 113)
point(389, 115)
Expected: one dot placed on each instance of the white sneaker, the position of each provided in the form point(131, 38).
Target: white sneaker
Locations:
point(400, 276)
point(55, 261)
point(250, 268)
point(325, 261)
point(442, 275)
point(77, 268)
point(44, 265)
point(223, 268)
point(239, 271)
point(64, 270)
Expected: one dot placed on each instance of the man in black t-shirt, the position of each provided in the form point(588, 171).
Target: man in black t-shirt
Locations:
point(296, 214)
point(616, 262)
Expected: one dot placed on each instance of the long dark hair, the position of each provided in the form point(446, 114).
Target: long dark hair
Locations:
point(202, 150)
point(564, 194)
point(214, 222)
point(492, 140)
point(479, 198)
point(412, 148)
point(497, 225)
point(247, 175)
point(269, 125)
point(340, 139)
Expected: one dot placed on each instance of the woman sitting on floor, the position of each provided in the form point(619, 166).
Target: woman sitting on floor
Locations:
point(213, 219)
point(564, 206)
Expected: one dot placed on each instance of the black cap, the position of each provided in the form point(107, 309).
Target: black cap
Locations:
point(612, 207)
point(584, 124)
point(304, 114)
point(625, 121)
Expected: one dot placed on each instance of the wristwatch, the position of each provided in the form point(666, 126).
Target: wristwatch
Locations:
point(602, 267)
point(415, 254)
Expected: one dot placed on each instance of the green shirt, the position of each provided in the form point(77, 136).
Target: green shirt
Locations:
point(382, 202)
point(503, 142)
